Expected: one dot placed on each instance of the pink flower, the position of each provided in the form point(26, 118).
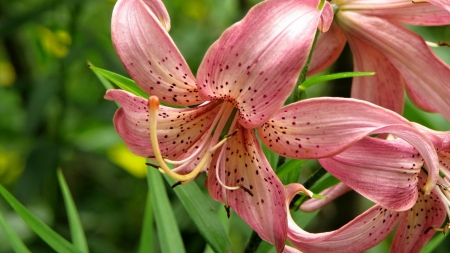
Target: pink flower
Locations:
point(244, 78)
point(379, 42)
point(374, 168)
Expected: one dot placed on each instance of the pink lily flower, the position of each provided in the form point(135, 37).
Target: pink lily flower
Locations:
point(395, 162)
point(415, 227)
point(244, 78)
point(401, 59)
point(379, 165)
point(324, 127)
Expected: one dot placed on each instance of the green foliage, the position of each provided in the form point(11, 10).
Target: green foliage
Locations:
point(58, 243)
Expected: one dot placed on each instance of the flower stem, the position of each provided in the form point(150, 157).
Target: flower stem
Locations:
point(253, 243)
point(297, 96)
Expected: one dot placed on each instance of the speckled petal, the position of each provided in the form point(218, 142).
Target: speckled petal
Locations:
point(415, 227)
point(178, 129)
point(158, 8)
point(256, 62)
point(149, 54)
point(384, 171)
point(362, 233)
point(323, 127)
point(422, 70)
point(244, 163)
point(401, 11)
point(386, 87)
point(328, 47)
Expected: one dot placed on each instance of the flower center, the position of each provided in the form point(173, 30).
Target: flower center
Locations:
point(224, 124)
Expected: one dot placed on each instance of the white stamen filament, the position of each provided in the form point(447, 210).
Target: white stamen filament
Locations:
point(201, 146)
point(220, 164)
point(153, 106)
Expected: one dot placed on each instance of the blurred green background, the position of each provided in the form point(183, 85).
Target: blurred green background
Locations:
point(53, 115)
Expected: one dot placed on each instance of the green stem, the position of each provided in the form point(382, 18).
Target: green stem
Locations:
point(253, 243)
point(297, 91)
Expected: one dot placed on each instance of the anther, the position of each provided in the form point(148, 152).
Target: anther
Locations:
point(444, 229)
point(176, 184)
point(227, 209)
point(246, 189)
point(443, 43)
point(152, 165)
point(443, 187)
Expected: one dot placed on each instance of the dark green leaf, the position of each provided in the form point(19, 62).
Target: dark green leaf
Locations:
point(12, 237)
point(168, 232)
point(58, 243)
point(203, 215)
point(320, 79)
point(121, 81)
point(76, 228)
point(146, 241)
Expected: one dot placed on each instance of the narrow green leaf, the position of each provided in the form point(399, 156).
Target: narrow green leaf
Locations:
point(204, 216)
point(16, 244)
point(320, 79)
point(146, 241)
point(289, 166)
point(434, 243)
point(121, 81)
point(168, 232)
point(76, 228)
point(271, 156)
point(58, 243)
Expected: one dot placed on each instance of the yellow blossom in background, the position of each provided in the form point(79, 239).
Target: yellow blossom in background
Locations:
point(55, 43)
point(196, 9)
point(11, 166)
point(122, 157)
point(7, 74)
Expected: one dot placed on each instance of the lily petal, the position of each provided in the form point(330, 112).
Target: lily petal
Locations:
point(255, 64)
point(158, 8)
point(178, 129)
point(406, 51)
point(246, 165)
point(384, 171)
point(328, 47)
point(444, 4)
point(401, 11)
point(322, 127)
point(326, 19)
point(149, 54)
point(362, 233)
point(416, 225)
point(386, 88)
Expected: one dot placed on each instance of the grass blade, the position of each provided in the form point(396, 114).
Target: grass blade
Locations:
point(57, 242)
point(146, 241)
point(168, 232)
point(121, 81)
point(16, 244)
point(319, 79)
point(204, 216)
point(76, 229)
